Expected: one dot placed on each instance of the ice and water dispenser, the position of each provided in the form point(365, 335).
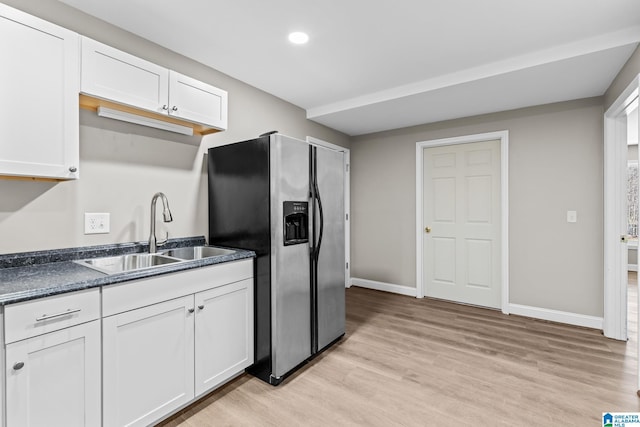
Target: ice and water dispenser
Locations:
point(296, 223)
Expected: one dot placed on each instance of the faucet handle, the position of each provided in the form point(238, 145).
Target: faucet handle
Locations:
point(163, 242)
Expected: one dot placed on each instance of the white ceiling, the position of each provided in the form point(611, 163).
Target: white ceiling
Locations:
point(378, 65)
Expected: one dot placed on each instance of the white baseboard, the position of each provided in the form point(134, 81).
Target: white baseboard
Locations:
point(557, 316)
point(382, 286)
point(632, 267)
point(521, 310)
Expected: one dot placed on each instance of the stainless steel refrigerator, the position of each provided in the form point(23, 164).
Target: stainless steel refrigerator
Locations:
point(284, 199)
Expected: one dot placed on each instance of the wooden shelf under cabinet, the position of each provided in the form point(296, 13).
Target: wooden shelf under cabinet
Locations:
point(90, 103)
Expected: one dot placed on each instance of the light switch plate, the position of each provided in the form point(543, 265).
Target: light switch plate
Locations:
point(96, 223)
point(572, 216)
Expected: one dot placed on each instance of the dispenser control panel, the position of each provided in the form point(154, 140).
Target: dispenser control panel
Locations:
point(296, 222)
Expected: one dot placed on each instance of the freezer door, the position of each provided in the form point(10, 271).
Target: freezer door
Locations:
point(330, 175)
point(290, 272)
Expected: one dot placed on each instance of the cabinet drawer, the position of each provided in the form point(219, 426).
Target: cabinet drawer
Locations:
point(32, 318)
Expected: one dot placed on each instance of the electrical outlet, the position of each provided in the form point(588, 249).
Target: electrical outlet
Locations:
point(96, 223)
point(572, 216)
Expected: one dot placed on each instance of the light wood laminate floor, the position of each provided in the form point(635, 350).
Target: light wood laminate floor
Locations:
point(420, 362)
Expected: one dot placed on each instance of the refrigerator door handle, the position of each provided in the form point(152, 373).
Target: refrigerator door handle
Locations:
point(321, 216)
point(315, 251)
point(316, 201)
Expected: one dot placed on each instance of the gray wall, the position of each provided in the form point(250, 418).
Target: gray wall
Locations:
point(556, 165)
point(630, 70)
point(123, 165)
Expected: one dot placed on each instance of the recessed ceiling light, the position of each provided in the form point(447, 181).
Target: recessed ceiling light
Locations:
point(298, 37)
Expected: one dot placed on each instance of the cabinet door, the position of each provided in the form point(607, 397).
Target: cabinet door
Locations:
point(54, 379)
point(147, 362)
point(195, 101)
point(39, 109)
point(118, 76)
point(224, 333)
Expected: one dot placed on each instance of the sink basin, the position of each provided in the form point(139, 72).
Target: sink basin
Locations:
point(131, 262)
point(196, 252)
point(122, 263)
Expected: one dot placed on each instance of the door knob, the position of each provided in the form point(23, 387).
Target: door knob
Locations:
point(427, 229)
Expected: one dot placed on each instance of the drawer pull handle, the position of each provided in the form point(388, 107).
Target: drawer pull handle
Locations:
point(191, 310)
point(53, 316)
point(201, 307)
point(18, 365)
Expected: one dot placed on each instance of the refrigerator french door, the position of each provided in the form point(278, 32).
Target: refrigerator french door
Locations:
point(284, 199)
point(328, 246)
point(290, 262)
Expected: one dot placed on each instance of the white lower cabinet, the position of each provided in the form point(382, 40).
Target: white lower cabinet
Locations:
point(158, 356)
point(54, 379)
point(129, 354)
point(148, 362)
point(224, 334)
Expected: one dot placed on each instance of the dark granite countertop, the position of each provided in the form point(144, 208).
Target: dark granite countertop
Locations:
point(30, 275)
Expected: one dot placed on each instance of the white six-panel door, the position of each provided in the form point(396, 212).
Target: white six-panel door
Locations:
point(462, 202)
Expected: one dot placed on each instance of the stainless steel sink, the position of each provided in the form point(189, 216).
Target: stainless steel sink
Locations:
point(196, 252)
point(122, 263)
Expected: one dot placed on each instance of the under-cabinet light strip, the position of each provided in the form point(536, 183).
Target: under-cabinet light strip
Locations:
point(144, 121)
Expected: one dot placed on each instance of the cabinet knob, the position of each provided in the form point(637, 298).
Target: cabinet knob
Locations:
point(165, 107)
point(201, 307)
point(18, 365)
point(191, 310)
point(175, 108)
point(73, 169)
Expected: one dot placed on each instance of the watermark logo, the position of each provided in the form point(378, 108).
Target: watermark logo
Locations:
point(607, 420)
point(621, 419)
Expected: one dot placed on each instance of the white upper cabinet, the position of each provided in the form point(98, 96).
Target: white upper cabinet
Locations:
point(193, 100)
point(118, 76)
point(39, 120)
point(113, 75)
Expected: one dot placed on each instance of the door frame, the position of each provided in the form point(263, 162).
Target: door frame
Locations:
point(614, 324)
point(503, 136)
point(347, 202)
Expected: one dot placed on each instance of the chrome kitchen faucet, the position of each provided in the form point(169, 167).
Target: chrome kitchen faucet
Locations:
point(166, 213)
